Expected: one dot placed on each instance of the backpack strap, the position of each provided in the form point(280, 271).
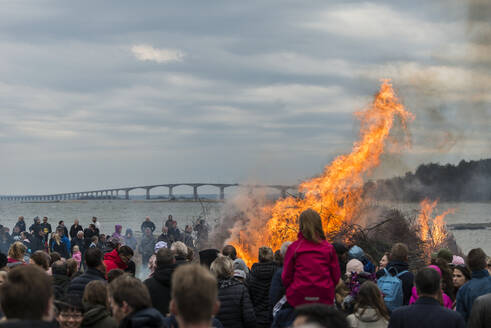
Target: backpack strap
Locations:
point(401, 273)
point(386, 273)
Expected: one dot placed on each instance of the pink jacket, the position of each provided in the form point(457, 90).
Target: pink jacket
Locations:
point(310, 272)
point(447, 301)
point(77, 256)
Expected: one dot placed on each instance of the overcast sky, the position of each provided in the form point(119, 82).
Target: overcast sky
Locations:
point(97, 94)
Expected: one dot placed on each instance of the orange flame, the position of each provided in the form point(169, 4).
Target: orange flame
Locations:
point(432, 231)
point(337, 193)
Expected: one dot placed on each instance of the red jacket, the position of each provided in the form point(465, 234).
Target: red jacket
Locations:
point(113, 261)
point(310, 272)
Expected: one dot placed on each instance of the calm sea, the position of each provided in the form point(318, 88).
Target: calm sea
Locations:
point(130, 214)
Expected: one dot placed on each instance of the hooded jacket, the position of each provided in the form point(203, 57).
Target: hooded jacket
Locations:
point(310, 272)
point(113, 261)
point(259, 284)
point(159, 286)
point(366, 319)
point(60, 285)
point(131, 240)
point(117, 231)
point(480, 284)
point(236, 309)
point(97, 316)
point(148, 317)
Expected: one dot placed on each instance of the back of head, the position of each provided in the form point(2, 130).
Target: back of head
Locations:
point(323, 315)
point(42, 259)
point(284, 247)
point(399, 253)
point(69, 303)
point(230, 251)
point(130, 290)
point(427, 281)
point(59, 267)
point(476, 259)
point(125, 251)
point(369, 295)
point(27, 293)
point(17, 250)
point(95, 293)
point(222, 267)
point(311, 226)
point(55, 256)
point(93, 257)
point(180, 249)
point(445, 254)
point(265, 254)
point(164, 257)
point(194, 294)
point(113, 274)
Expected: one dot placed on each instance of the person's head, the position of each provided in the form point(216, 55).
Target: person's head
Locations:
point(164, 257)
point(230, 251)
point(147, 219)
point(113, 274)
point(80, 235)
point(369, 295)
point(102, 237)
point(92, 227)
point(148, 232)
point(3, 277)
point(354, 266)
point(95, 293)
point(428, 282)
point(45, 219)
point(60, 232)
point(319, 314)
point(165, 229)
point(222, 267)
point(169, 217)
point(94, 219)
point(37, 219)
point(94, 240)
point(72, 267)
point(311, 226)
point(76, 248)
point(174, 224)
point(125, 253)
point(384, 261)
point(126, 295)
point(54, 256)
point(76, 222)
point(118, 228)
point(461, 275)
point(128, 233)
point(194, 296)
point(41, 259)
point(59, 267)
point(93, 258)
point(399, 253)
point(28, 294)
point(70, 312)
point(265, 254)
point(180, 249)
point(445, 254)
point(61, 223)
point(17, 251)
point(476, 259)
point(57, 237)
point(20, 218)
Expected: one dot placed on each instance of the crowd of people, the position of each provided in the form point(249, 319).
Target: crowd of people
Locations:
point(89, 281)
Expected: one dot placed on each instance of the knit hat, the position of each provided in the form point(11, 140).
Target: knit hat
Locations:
point(340, 248)
point(354, 265)
point(159, 245)
point(458, 260)
point(239, 274)
point(437, 269)
point(356, 252)
point(445, 254)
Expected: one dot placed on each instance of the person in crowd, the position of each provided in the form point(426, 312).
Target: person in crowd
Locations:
point(21, 224)
point(118, 228)
point(27, 309)
point(37, 242)
point(201, 233)
point(319, 315)
point(102, 241)
point(113, 274)
point(461, 275)
point(236, 309)
point(277, 290)
point(355, 276)
point(118, 258)
point(383, 261)
point(95, 271)
point(35, 228)
point(174, 232)
point(169, 221)
point(94, 242)
point(358, 253)
point(24, 236)
point(193, 307)
point(207, 256)
point(41, 259)
point(61, 281)
point(481, 312)
point(457, 260)
point(164, 236)
point(146, 246)
point(443, 298)
point(96, 313)
point(398, 267)
point(3, 262)
point(96, 222)
point(159, 284)
point(180, 251)
point(131, 303)
point(188, 236)
point(147, 224)
point(90, 232)
point(46, 228)
point(445, 254)
point(75, 228)
point(129, 239)
point(111, 244)
point(59, 246)
point(259, 284)
point(480, 283)
point(61, 225)
point(446, 275)
point(69, 312)
point(77, 255)
point(239, 264)
point(16, 234)
point(152, 261)
point(370, 310)
point(304, 259)
point(61, 231)
point(427, 312)
point(190, 257)
point(5, 241)
point(72, 268)
point(16, 255)
point(79, 241)
point(3, 277)
point(54, 256)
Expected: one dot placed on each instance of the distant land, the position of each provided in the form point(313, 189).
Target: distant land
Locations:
point(465, 182)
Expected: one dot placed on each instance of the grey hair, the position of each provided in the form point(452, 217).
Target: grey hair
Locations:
point(222, 267)
point(179, 248)
point(284, 247)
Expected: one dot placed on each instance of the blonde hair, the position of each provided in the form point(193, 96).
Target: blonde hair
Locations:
point(17, 251)
point(179, 248)
point(222, 267)
point(311, 226)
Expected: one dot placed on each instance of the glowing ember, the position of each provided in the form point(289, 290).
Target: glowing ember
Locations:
point(337, 193)
point(432, 231)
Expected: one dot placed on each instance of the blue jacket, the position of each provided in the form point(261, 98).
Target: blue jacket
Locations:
point(77, 285)
point(425, 313)
point(277, 290)
point(480, 284)
point(67, 244)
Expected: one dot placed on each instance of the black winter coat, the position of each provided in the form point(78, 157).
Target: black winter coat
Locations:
point(74, 230)
point(97, 316)
point(146, 318)
point(77, 285)
point(236, 309)
point(60, 285)
point(159, 286)
point(259, 285)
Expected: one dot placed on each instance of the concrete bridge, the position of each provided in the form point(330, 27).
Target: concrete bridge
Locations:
point(114, 193)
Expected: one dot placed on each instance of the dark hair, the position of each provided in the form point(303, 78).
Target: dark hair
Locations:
point(93, 257)
point(322, 314)
point(230, 251)
point(369, 295)
point(95, 293)
point(131, 291)
point(55, 256)
point(465, 271)
point(311, 226)
point(125, 250)
point(164, 257)
point(113, 274)
point(94, 239)
point(71, 267)
point(42, 259)
point(3, 260)
point(399, 252)
point(427, 281)
point(59, 267)
point(476, 259)
point(70, 302)
point(27, 293)
point(60, 222)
